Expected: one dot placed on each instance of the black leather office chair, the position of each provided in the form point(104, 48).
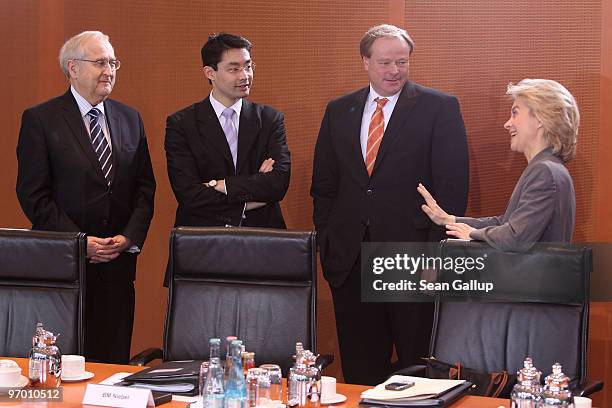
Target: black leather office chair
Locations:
point(539, 308)
point(41, 280)
point(256, 284)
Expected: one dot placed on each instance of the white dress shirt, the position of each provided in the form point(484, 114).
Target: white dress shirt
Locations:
point(369, 109)
point(219, 108)
point(85, 107)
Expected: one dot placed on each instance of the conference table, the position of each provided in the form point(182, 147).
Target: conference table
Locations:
point(73, 392)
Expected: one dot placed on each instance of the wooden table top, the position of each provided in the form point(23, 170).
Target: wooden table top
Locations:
point(73, 392)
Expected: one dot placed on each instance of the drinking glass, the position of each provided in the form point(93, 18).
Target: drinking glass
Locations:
point(274, 376)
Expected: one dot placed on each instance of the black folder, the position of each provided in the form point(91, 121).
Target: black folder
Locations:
point(169, 376)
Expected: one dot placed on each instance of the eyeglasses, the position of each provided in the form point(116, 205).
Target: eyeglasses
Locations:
point(235, 69)
point(102, 63)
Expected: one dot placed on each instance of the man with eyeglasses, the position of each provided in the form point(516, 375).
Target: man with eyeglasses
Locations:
point(84, 166)
point(228, 160)
point(375, 146)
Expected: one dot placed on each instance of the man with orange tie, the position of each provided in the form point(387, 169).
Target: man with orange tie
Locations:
point(375, 146)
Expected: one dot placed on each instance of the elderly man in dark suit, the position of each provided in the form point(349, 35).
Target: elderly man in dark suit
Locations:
point(84, 166)
point(374, 147)
point(228, 160)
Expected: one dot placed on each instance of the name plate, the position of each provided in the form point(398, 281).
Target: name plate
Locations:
point(119, 397)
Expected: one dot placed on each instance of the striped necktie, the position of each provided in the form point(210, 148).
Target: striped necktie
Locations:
point(375, 134)
point(99, 143)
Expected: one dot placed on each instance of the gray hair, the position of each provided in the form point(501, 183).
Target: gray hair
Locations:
point(380, 31)
point(73, 48)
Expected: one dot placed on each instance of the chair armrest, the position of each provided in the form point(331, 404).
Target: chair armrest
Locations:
point(417, 370)
point(588, 387)
point(146, 356)
point(323, 361)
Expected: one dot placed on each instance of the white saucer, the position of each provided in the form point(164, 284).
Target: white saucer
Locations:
point(23, 381)
point(334, 399)
point(85, 376)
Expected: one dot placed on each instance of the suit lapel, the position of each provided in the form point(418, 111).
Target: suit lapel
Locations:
point(247, 133)
point(115, 129)
point(210, 129)
point(73, 117)
point(393, 132)
point(355, 112)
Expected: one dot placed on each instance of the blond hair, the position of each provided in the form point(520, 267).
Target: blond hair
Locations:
point(553, 106)
point(74, 48)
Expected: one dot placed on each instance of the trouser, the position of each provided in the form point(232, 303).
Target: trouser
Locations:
point(367, 332)
point(109, 318)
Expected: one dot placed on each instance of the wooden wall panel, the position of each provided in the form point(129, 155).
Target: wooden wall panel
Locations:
point(472, 49)
point(307, 53)
point(600, 334)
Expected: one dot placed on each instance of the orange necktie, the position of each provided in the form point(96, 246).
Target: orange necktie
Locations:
point(375, 133)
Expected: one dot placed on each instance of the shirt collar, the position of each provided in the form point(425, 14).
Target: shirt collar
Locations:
point(84, 105)
point(373, 95)
point(219, 107)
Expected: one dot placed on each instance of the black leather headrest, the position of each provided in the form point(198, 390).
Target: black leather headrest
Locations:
point(37, 255)
point(247, 253)
point(547, 273)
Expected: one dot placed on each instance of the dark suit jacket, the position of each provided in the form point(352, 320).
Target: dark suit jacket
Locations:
point(197, 152)
point(424, 142)
point(60, 184)
point(542, 208)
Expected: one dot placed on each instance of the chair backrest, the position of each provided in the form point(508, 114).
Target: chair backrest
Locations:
point(257, 284)
point(535, 314)
point(41, 280)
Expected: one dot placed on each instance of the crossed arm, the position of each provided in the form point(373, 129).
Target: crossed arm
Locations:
point(188, 160)
point(266, 167)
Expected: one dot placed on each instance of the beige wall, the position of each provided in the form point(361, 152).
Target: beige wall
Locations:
point(307, 53)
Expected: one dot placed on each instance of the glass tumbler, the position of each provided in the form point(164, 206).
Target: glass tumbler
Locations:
point(274, 376)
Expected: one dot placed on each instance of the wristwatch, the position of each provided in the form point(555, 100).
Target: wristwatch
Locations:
point(212, 183)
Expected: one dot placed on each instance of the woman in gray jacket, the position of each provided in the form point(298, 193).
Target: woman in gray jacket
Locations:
point(543, 125)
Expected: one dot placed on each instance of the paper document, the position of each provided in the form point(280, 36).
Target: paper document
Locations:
point(174, 387)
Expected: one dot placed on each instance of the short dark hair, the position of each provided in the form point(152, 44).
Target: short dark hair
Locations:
point(217, 44)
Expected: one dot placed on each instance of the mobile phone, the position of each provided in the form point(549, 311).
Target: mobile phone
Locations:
point(398, 386)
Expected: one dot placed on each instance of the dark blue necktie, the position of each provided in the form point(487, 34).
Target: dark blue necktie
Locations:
point(100, 144)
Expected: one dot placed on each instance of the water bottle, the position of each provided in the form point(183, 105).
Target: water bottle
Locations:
point(235, 387)
point(228, 356)
point(213, 392)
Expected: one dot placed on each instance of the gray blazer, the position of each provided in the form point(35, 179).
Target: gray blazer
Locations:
point(542, 208)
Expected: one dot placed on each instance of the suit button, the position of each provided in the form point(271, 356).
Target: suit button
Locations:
point(369, 191)
point(105, 222)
